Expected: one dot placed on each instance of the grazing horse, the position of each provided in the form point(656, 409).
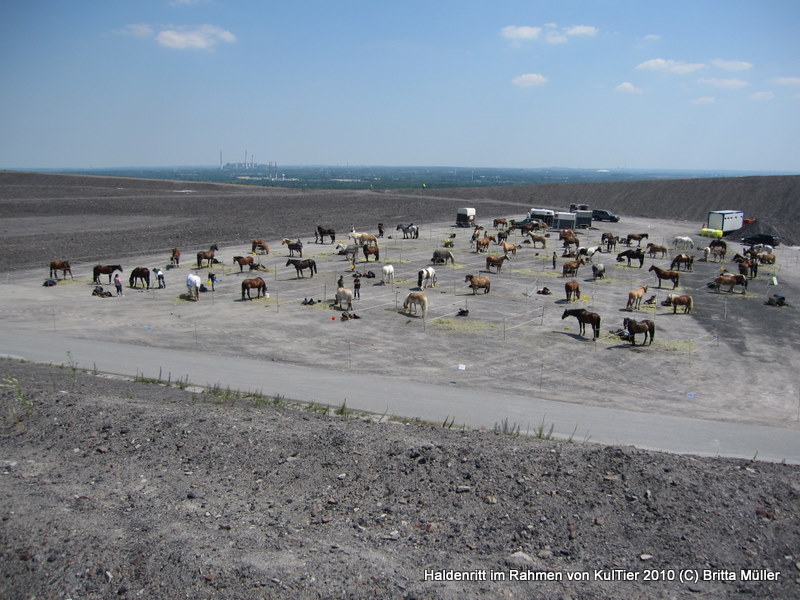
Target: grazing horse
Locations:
point(717, 253)
point(538, 238)
point(409, 231)
point(479, 282)
point(584, 317)
point(350, 251)
point(611, 242)
point(571, 240)
point(343, 296)
point(599, 271)
point(687, 260)
point(633, 327)
point(362, 238)
point(258, 284)
point(498, 222)
point(730, 280)
point(246, 260)
point(141, 274)
point(637, 237)
point(635, 298)
point(293, 246)
point(587, 253)
point(175, 259)
point(60, 265)
point(482, 244)
point(672, 276)
point(674, 300)
point(371, 250)
point(496, 262)
point(571, 268)
point(653, 249)
point(415, 299)
point(206, 255)
point(387, 274)
point(426, 277)
point(573, 290)
point(321, 232)
point(259, 245)
point(104, 270)
point(632, 254)
point(682, 241)
point(442, 255)
point(766, 258)
point(300, 265)
point(719, 244)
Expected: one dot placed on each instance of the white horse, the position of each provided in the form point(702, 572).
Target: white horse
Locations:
point(426, 277)
point(588, 253)
point(363, 238)
point(344, 296)
point(415, 299)
point(682, 241)
point(599, 271)
point(388, 274)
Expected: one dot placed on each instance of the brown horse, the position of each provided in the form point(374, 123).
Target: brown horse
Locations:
point(293, 246)
point(766, 258)
point(498, 222)
point(687, 260)
point(104, 270)
point(175, 259)
point(369, 250)
point(496, 262)
point(718, 253)
point(415, 299)
point(243, 261)
point(301, 265)
point(508, 248)
point(633, 327)
point(573, 290)
point(60, 265)
point(259, 246)
point(207, 255)
point(141, 274)
point(258, 284)
point(636, 237)
point(635, 297)
point(321, 232)
point(479, 282)
point(482, 244)
point(538, 238)
point(653, 249)
point(674, 300)
point(584, 317)
point(570, 240)
point(571, 268)
point(730, 280)
point(672, 276)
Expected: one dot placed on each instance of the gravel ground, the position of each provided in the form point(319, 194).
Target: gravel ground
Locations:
point(114, 488)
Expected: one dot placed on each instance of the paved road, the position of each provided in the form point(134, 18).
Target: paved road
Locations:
point(396, 396)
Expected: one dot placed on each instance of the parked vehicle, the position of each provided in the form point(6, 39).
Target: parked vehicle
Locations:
point(726, 220)
point(762, 238)
point(600, 214)
point(465, 217)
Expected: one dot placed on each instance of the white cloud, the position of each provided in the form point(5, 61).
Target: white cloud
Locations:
point(554, 37)
point(787, 80)
point(651, 37)
point(704, 100)
point(762, 96)
point(515, 33)
point(732, 65)
point(725, 84)
point(670, 66)
point(202, 37)
point(529, 80)
point(582, 30)
point(137, 30)
point(628, 88)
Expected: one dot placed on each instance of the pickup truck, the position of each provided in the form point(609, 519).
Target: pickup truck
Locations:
point(604, 215)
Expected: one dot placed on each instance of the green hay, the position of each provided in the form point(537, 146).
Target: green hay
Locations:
point(464, 325)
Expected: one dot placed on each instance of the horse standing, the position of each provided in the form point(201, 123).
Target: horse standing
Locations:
point(246, 260)
point(653, 249)
point(499, 222)
point(508, 248)
point(632, 255)
point(409, 231)
point(635, 298)
point(301, 265)
point(682, 241)
point(442, 255)
point(321, 232)
point(538, 238)
point(175, 259)
point(207, 255)
point(730, 280)
point(293, 246)
point(573, 290)
point(140, 274)
point(478, 282)
point(387, 274)
point(256, 283)
point(104, 270)
point(571, 268)
point(674, 300)
point(496, 262)
point(370, 251)
point(343, 296)
point(60, 265)
point(362, 238)
point(599, 271)
point(636, 237)
point(259, 246)
point(584, 317)
point(414, 300)
point(672, 276)
point(482, 244)
point(426, 277)
point(687, 260)
point(646, 326)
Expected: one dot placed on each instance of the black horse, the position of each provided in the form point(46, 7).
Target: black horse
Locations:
point(300, 265)
point(105, 270)
point(638, 253)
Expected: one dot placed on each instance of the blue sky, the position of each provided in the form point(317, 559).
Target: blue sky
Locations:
point(684, 84)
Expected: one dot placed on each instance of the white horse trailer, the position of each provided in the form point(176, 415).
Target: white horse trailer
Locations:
point(465, 217)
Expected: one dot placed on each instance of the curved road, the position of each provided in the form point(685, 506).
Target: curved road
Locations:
point(395, 396)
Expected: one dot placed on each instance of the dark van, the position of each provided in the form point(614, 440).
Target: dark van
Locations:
point(604, 215)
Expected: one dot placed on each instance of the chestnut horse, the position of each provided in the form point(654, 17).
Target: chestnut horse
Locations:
point(300, 265)
point(496, 262)
point(258, 284)
point(730, 280)
point(573, 289)
point(259, 245)
point(635, 297)
point(415, 299)
point(369, 250)
point(60, 265)
point(479, 282)
point(571, 268)
point(104, 270)
point(584, 317)
point(498, 222)
point(674, 300)
point(636, 237)
point(633, 327)
point(246, 260)
point(142, 274)
point(482, 244)
point(538, 238)
point(175, 259)
point(687, 260)
point(653, 249)
point(672, 276)
point(206, 255)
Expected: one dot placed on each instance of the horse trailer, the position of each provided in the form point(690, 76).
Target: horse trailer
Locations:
point(564, 220)
point(583, 219)
point(465, 217)
point(725, 220)
point(543, 215)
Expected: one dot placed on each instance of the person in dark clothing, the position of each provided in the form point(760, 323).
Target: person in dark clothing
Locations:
point(357, 287)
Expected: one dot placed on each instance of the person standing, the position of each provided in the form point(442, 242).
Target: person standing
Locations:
point(357, 287)
point(340, 283)
point(118, 285)
point(380, 230)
